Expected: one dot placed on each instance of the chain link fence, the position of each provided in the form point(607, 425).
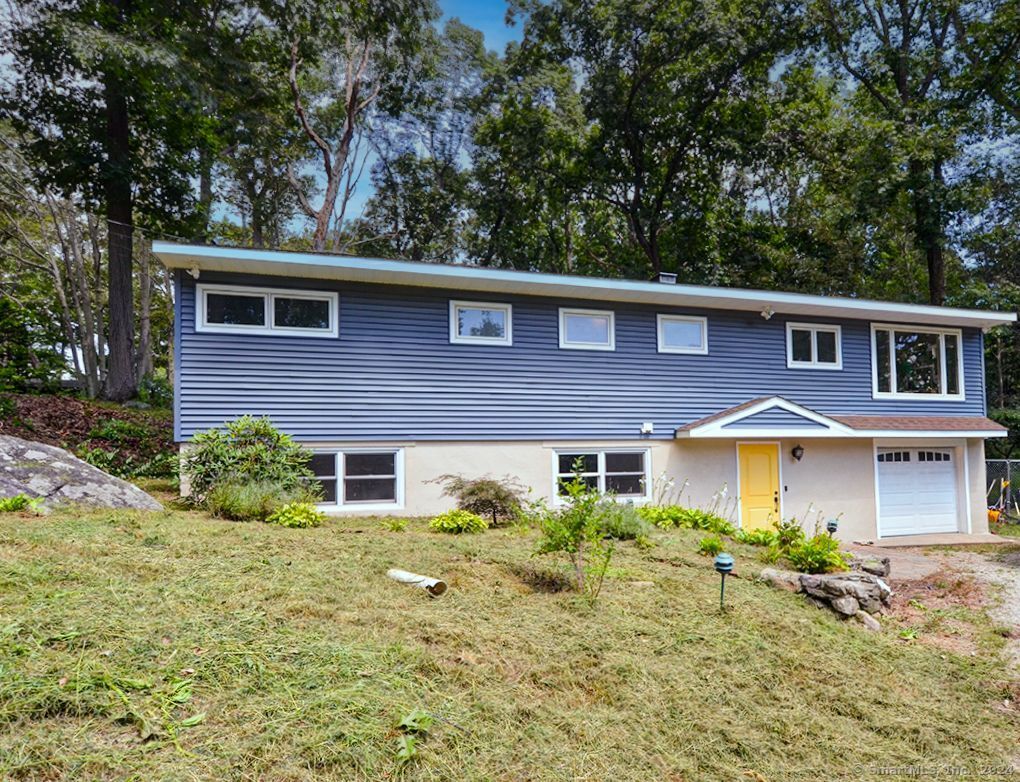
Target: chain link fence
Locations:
point(1003, 478)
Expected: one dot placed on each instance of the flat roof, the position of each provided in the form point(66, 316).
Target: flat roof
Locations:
point(464, 277)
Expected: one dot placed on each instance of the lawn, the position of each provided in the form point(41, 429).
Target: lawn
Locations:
point(175, 646)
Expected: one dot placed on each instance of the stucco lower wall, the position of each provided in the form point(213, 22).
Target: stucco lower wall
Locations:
point(834, 478)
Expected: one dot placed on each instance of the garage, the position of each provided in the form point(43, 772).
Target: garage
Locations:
point(917, 491)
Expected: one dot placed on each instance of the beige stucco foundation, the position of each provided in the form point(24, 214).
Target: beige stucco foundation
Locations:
point(834, 478)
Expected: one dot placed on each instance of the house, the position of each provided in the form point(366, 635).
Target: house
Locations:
point(764, 403)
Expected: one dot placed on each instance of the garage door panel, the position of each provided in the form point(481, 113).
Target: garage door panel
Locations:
point(917, 491)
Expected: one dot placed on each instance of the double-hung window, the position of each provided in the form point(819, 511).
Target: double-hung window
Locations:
point(916, 362)
point(587, 329)
point(237, 309)
point(813, 346)
point(366, 479)
point(622, 473)
point(481, 323)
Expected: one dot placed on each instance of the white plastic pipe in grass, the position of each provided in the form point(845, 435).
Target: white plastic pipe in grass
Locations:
point(433, 586)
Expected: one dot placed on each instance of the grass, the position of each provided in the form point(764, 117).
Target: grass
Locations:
point(172, 646)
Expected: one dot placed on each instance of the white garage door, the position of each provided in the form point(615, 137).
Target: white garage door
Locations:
point(917, 491)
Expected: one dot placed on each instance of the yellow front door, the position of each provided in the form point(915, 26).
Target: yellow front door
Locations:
point(759, 484)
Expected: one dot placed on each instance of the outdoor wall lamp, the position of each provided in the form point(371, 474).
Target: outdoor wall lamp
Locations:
point(798, 452)
point(831, 526)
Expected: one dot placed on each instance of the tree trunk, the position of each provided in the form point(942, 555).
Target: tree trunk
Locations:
point(205, 189)
point(926, 189)
point(120, 375)
point(144, 317)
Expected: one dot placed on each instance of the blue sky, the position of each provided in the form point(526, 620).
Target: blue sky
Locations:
point(485, 15)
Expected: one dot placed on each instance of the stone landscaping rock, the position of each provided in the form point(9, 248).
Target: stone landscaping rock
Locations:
point(52, 473)
point(848, 594)
point(868, 563)
point(869, 622)
point(781, 579)
point(846, 605)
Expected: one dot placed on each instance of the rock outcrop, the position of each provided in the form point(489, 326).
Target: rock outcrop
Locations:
point(60, 478)
point(847, 594)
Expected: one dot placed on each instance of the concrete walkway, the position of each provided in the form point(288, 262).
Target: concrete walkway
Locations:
point(938, 539)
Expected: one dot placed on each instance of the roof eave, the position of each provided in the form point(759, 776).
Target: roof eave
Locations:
point(505, 281)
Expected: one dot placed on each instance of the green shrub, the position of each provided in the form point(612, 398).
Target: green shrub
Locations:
point(458, 521)
point(756, 537)
point(667, 516)
point(770, 555)
point(117, 430)
point(17, 503)
point(819, 554)
point(710, 546)
point(395, 523)
point(156, 391)
point(248, 450)
point(622, 522)
point(498, 500)
point(254, 501)
point(297, 515)
point(789, 534)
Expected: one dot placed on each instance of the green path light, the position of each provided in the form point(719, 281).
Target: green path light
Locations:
point(832, 525)
point(724, 566)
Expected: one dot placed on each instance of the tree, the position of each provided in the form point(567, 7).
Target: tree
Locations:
point(104, 92)
point(920, 79)
point(345, 61)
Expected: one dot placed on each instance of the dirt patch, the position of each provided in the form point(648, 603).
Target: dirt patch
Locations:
point(928, 610)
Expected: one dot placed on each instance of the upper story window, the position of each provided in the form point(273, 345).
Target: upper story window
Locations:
point(587, 329)
point(912, 362)
point(682, 334)
point(235, 309)
point(813, 346)
point(480, 323)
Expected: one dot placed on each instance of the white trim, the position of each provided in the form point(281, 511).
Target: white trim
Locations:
point(268, 296)
point(893, 393)
point(506, 281)
point(813, 329)
point(601, 471)
point(457, 338)
point(965, 449)
point(566, 344)
point(779, 463)
point(718, 427)
point(340, 506)
point(699, 319)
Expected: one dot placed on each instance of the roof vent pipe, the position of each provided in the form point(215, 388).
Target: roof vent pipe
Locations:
point(667, 278)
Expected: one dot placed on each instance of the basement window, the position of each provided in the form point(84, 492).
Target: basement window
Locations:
point(362, 479)
point(623, 474)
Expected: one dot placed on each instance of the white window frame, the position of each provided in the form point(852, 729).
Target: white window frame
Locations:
point(565, 344)
point(943, 380)
point(457, 338)
point(340, 456)
point(814, 328)
point(702, 321)
point(269, 296)
point(558, 499)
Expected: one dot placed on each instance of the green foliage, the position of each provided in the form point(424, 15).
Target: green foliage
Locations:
point(667, 516)
point(395, 523)
point(622, 521)
point(499, 500)
point(756, 537)
point(117, 430)
point(254, 500)
point(819, 554)
point(156, 391)
point(1004, 447)
point(710, 546)
point(297, 515)
point(118, 462)
point(247, 450)
point(458, 521)
point(19, 502)
point(414, 725)
point(577, 530)
point(26, 362)
point(789, 533)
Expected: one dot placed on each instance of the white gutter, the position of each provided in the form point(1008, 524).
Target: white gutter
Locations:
point(504, 281)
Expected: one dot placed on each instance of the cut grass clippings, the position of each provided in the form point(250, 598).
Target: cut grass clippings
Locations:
point(174, 646)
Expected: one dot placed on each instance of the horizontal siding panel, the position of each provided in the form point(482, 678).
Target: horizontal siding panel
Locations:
point(392, 373)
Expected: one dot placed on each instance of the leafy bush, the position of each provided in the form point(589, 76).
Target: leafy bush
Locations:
point(254, 501)
point(248, 450)
point(18, 502)
point(395, 523)
point(123, 465)
point(458, 521)
point(297, 515)
point(498, 500)
point(117, 430)
point(622, 522)
point(770, 555)
point(819, 554)
point(667, 516)
point(156, 391)
point(789, 534)
point(710, 546)
point(576, 529)
point(756, 537)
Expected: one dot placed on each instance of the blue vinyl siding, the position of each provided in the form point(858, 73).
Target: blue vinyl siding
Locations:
point(768, 419)
point(392, 373)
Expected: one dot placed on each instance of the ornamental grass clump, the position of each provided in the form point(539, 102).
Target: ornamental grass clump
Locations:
point(254, 501)
point(458, 522)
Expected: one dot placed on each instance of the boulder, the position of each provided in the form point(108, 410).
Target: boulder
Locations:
point(59, 478)
point(869, 622)
point(781, 579)
point(866, 591)
point(870, 563)
point(846, 605)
